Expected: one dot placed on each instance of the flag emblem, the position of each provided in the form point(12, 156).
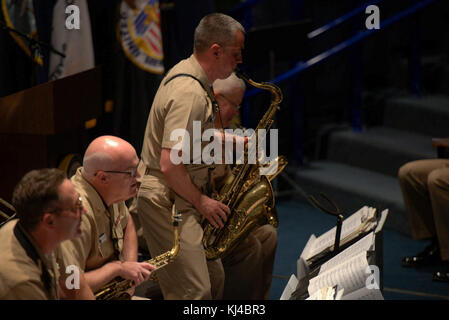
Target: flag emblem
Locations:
point(140, 35)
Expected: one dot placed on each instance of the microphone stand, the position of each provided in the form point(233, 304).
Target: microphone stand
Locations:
point(34, 45)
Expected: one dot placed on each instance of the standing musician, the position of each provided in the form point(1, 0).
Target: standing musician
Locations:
point(107, 247)
point(49, 211)
point(184, 96)
point(249, 267)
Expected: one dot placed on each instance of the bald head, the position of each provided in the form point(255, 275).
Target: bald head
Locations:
point(107, 153)
point(110, 166)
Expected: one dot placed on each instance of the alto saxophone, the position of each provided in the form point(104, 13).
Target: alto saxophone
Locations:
point(116, 289)
point(249, 195)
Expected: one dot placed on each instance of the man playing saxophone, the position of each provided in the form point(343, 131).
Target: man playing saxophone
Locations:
point(185, 96)
point(257, 251)
point(107, 247)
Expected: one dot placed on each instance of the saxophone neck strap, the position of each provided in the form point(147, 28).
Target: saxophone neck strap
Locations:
point(215, 105)
point(185, 75)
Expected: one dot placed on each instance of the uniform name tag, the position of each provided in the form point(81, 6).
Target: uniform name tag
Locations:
point(102, 238)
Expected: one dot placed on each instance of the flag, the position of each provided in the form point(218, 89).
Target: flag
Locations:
point(75, 43)
point(140, 35)
point(19, 16)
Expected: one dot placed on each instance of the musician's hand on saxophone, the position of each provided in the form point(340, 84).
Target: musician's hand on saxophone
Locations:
point(231, 138)
point(179, 180)
point(137, 272)
point(214, 211)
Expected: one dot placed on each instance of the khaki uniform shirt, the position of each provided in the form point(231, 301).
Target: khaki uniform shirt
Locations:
point(21, 278)
point(102, 230)
point(177, 105)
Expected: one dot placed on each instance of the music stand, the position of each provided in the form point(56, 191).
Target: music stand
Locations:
point(336, 213)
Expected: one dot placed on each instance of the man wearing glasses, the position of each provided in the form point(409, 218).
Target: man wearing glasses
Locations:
point(107, 247)
point(49, 211)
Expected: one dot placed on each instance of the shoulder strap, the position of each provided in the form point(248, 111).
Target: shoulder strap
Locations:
point(185, 75)
point(32, 253)
point(216, 109)
point(215, 105)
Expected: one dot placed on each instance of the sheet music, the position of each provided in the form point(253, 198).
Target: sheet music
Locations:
point(302, 268)
point(309, 245)
point(363, 219)
point(327, 239)
point(289, 288)
point(350, 275)
point(364, 294)
point(383, 217)
point(327, 293)
point(363, 245)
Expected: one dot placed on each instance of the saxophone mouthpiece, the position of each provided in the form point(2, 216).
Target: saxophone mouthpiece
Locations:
point(239, 73)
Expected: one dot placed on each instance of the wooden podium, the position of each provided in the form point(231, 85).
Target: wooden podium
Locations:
point(41, 125)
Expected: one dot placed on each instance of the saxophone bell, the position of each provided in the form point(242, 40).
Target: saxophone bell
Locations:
point(249, 195)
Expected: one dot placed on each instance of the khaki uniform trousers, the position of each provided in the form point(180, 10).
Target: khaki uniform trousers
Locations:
point(425, 188)
point(190, 276)
point(249, 267)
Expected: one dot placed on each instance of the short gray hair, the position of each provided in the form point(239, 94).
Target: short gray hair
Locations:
point(215, 28)
point(229, 85)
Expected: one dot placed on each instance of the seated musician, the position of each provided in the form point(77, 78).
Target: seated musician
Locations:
point(49, 211)
point(248, 268)
point(107, 247)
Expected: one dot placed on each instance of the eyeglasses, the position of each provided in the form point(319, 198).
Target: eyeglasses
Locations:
point(132, 173)
point(235, 105)
point(78, 205)
point(77, 208)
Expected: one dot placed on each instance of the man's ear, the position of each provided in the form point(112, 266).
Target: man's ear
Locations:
point(215, 49)
point(48, 220)
point(101, 176)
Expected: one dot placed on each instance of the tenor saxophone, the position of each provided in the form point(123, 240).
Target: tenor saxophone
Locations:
point(116, 289)
point(249, 195)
